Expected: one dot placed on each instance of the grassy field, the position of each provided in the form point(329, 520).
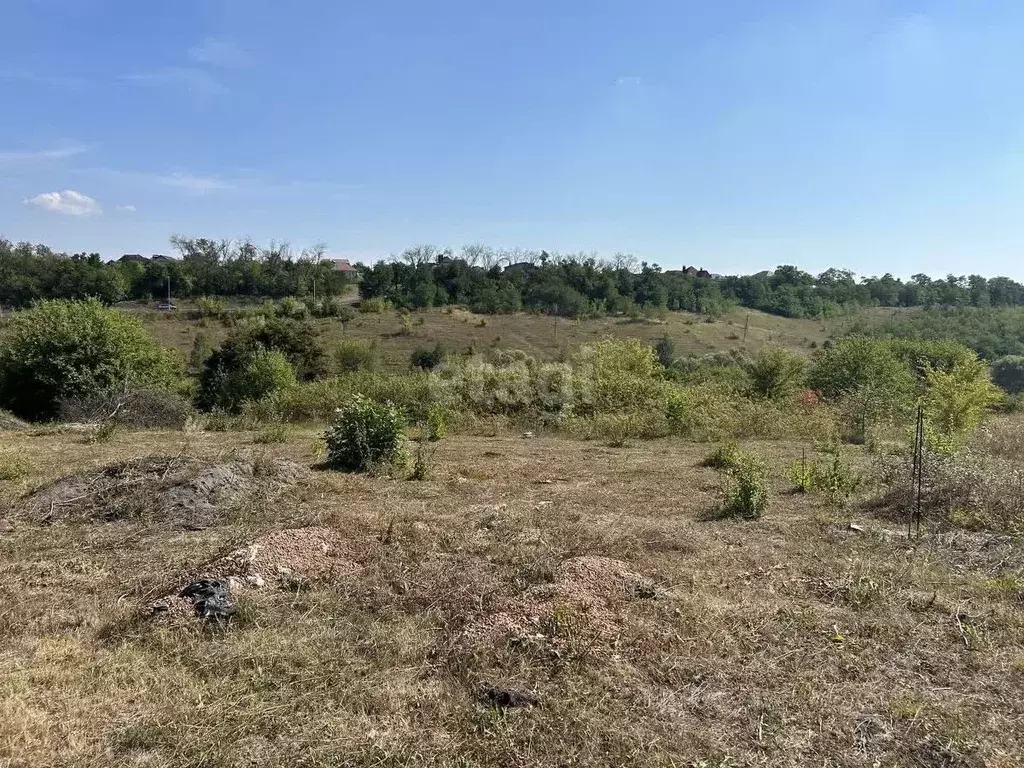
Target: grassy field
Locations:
point(591, 578)
point(541, 336)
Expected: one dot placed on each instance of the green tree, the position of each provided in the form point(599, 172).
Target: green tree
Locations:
point(61, 350)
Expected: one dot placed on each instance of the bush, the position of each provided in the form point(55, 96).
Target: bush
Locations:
point(298, 341)
point(356, 355)
point(850, 365)
point(616, 375)
point(238, 375)
point(747, 491)
point(1008, 373)
point(366, 434)
point(956, 402)
point(12, 467)
point(724, 457)
point(293, 308)
point(375, 305)
point(61, 350)
point(665, 349)
point(777, 373)
point(428, 358)
point(317, 401)
point(437, 423)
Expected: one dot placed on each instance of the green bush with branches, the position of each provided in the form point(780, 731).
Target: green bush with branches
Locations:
point(777, 373)
point(366, 434)
point(62, 350)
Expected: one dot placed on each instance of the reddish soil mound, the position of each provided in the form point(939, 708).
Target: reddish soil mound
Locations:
point(178, 490)
point(295, 555)
point(585, 599)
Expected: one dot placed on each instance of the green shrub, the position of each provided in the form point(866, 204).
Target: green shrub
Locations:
point(747, 490)
point(616, 375)
point(801, 474)
point(316, 401)
point(724, 457)
point(298, 341)
point(272, 433)
point(955, 403)
point(375, 305)
point(437, 423)
point(873, 381)
point(665, 349)
point(12, 467)
point(366, 434)
point(60, 350)
point(836, 480)
point(356, 355)
point(428, 358)
point(238, 375)
point(1008, 373)
point(777, 373)
point(292, 308)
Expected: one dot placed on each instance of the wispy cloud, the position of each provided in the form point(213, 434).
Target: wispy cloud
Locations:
point(199, 185)
point(127, 208)
point(52, 153)
point(190, 78)
point(32, 77)
point(627, 82)
point(68, 202)
point(219, 51)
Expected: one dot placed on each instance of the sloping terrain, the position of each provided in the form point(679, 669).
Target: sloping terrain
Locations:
point(537, 602)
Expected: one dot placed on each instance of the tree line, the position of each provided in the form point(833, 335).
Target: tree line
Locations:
point(488, 281)
point(29, 272)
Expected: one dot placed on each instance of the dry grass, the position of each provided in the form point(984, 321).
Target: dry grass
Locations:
point(581, 575)
point(540, 336)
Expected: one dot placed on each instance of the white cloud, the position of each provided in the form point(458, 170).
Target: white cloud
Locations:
point(54, 153)
point(190, 78)
point(626, 82)
point(200, 185)
point(219, 51)
point(31, 77)
point(68, 202)
point(127, 208)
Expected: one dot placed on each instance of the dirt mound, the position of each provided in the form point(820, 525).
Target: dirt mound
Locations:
point(179, 491)
point(283, 558)
point(583, 603)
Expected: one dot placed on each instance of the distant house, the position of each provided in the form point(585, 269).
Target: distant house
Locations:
point(689, 272)
point(159, 258)
point(345, 267)
point(137, 258)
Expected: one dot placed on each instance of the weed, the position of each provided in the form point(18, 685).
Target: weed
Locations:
point(801, 474)
point(366, 433)
point(747, 490)
point(12, 467)
point(272, 433)
point(724, 457)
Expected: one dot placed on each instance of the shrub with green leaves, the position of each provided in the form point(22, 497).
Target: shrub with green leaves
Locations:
point(428, 358)
point(366, 434)
point(356, 355)
point(63, 350)
point(747, 490)
point(776, 373)
point(955, 403)
point(241, 374)
point(1008, 373)
point(436, 426)
point(724, 457)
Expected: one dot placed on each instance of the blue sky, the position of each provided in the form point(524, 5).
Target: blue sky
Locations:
point(736, 134)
